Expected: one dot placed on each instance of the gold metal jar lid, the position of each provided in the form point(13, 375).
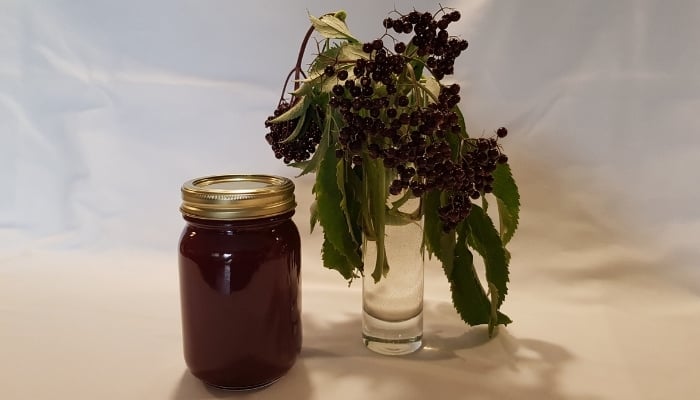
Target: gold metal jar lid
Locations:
point(237, 197)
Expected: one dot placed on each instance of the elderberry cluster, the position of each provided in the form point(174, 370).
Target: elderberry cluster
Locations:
point(432, 39)
point(296, 150)
point(384, 114)
point(411, 137)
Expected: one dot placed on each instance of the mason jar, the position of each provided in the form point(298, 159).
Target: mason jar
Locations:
point(239, 267)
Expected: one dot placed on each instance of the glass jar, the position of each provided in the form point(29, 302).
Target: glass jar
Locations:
point(239, 265)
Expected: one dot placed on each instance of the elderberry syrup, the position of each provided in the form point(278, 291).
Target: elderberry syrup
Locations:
point(239, 266)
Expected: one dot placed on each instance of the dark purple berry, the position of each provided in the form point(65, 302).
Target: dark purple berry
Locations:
point(338, 90)
point(502, 132)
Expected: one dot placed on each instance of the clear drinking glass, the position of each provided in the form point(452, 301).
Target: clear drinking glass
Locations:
point(392, 309)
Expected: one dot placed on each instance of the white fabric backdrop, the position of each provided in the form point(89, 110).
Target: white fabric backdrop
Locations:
point(107, 107)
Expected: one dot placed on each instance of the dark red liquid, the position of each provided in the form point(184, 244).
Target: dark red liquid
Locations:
point(239, 288)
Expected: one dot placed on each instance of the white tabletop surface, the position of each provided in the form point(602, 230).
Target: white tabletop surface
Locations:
point(105, 109)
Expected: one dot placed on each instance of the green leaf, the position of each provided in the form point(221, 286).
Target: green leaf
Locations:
point(301, 125)
point(342, 184)
point(506, 192)
point(460, 121)
point(468, 295)
point(331, 27)
point(377, 191)
point(396, 217)
point(432, 85)
point(483, 237)
point(304, 89)
point(353, 191)
point(351, 52)
point(313, 164)
point(296, 110)
point(417, 64)
point(330, 214)
point(313, 210)
point(326, 58)
point(334, 259)
point(436, 241)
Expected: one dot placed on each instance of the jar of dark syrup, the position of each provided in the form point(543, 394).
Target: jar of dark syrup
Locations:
point(239, 265)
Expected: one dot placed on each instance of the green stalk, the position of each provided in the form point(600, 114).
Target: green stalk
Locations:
point(377, 190)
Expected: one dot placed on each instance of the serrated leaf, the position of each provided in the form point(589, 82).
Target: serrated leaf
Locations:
point(468, 295)
point(342, 184)
point(300, 165)
point(483, 237)
point(334, 259)
point(330, 215)
point(326, 58)
point(331, 27)
point(506, 192)
point(296, 110)
point(436, 241)
point(351, 52)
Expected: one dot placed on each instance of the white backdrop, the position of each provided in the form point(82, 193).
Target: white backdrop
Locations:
point(107, 107)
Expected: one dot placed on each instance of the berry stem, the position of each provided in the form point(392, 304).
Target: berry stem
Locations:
point(284, 87)
point(302, 49)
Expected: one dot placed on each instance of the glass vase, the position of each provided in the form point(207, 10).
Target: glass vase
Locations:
point(392, 309)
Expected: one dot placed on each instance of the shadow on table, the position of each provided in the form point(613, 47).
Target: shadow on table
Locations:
point(454, 362)
point(294, 385)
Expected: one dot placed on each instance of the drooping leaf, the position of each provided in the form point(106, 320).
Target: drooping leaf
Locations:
point(313, 164)
point(304, 89)
point(506, 191)
point(377, 191)
point(417, 65)
point(313, 211)
point(334, 259)
point(341, 180)
point(300, 127)
point(460, 121)
point(330, 215)
point(468, 295)
point(436, 241)
point(296, 110)
point(432, 85)
point(399, 218)
point(331, 27)
point(483, 237)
